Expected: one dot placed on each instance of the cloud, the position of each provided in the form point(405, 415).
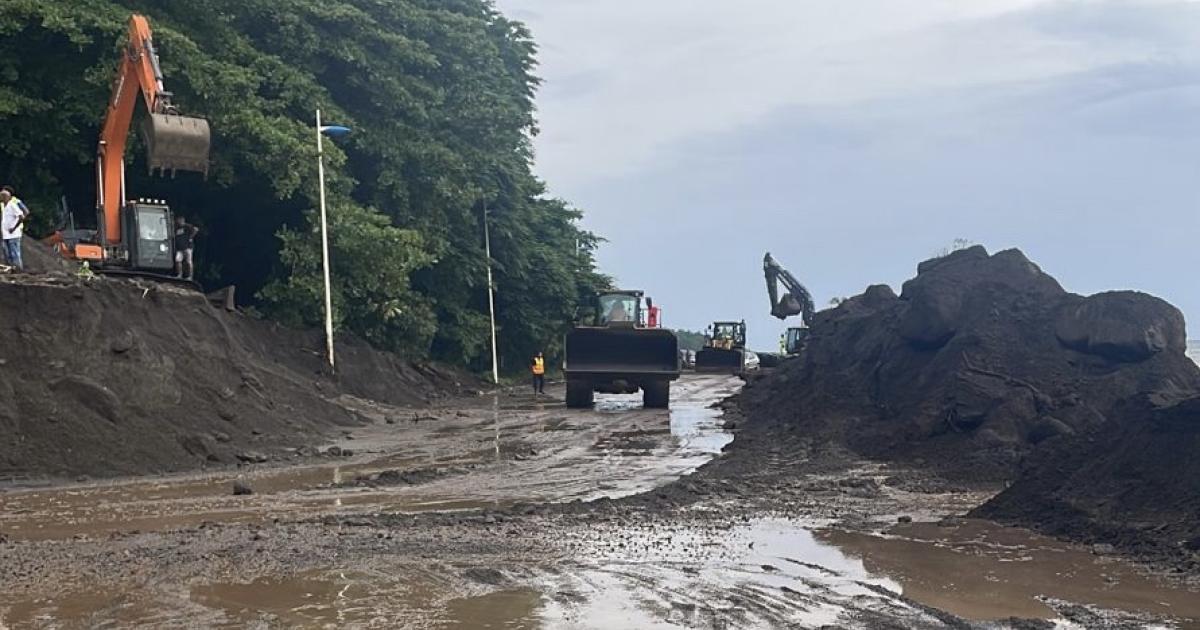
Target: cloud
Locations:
point(853, 139)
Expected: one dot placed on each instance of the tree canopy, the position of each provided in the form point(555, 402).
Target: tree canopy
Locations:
point(439, 94)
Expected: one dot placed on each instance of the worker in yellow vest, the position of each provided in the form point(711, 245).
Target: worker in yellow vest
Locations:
point(539, 373)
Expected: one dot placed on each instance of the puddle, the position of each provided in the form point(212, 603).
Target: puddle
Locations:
point(341, 599)
point(774, 573)
point(982, 571)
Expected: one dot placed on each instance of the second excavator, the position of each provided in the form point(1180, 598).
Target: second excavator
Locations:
point(797, 301)
point(136, 236)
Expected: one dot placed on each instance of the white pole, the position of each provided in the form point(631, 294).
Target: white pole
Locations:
point(487, 247)
point(325, 245)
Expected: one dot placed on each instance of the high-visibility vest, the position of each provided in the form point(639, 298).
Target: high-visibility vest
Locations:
point(539, 365)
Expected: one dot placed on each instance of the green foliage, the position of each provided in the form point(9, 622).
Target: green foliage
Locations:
point(689, 340)
point(440, 96)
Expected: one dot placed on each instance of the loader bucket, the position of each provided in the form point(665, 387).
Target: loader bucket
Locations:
point(720, 360)
point(176, 143)
point(622, 352)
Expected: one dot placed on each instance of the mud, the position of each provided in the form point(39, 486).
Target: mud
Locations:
point(109, 377)
point(540, 517)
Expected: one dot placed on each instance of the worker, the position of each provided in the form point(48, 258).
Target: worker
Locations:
point(618, 313)
point(538, 367)
point(652, 318)
point(185, 242)
point(12, 225)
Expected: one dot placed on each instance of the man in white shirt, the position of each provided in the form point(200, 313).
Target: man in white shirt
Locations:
point(12, 225)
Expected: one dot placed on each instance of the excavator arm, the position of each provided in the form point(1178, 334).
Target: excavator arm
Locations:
point(797, 300)
point(173, 142)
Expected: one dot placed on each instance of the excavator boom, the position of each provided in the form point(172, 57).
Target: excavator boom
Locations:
point(797, 300)
point(173, 142)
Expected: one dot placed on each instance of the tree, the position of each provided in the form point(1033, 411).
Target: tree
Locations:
point(440, 96)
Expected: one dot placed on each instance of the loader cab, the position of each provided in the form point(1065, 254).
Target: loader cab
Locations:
point(148, 229)
point(619, 309)
point(727, 335)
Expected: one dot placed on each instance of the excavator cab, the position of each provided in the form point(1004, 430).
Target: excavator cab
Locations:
point(795, 340)
point(148, 226)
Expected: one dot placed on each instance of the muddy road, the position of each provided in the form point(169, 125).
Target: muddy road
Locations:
point(508, 511)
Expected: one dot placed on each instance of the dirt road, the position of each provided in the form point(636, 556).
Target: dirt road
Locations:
point(514, 512)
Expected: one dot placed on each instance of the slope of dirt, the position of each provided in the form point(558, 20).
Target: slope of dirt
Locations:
point(1135, 485)
point(108, 377)
point(979, 361)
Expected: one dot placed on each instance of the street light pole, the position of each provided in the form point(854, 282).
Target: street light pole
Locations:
point(487, 248)
point(325, 244)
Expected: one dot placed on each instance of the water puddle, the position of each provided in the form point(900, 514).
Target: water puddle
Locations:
point(774, 573)
point(341, 599)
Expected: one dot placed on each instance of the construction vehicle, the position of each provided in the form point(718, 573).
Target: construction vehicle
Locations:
point(136, 236)
point(796, 301)
point(725, 348)
point(616, 353)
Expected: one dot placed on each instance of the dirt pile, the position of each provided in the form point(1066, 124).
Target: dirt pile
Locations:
point(1134, 484)
point(979, 361)
point(108, 377)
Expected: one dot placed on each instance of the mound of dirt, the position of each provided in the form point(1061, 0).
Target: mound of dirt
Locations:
point(107, 377)
point(1134, 484)
point(979, 361)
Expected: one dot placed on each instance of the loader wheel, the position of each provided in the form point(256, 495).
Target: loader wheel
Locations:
point(579, 394)
point(657, 395)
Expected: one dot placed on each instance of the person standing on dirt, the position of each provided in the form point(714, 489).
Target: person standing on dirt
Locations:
point(538, 367)
point(185, 242)
point(12, 225)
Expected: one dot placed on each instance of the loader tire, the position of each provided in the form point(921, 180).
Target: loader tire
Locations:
point(579, 394)
point(657, 395)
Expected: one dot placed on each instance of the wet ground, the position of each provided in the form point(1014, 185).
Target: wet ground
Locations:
point(514, 512)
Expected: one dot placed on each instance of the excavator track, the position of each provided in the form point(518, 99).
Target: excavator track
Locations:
point(149, 275)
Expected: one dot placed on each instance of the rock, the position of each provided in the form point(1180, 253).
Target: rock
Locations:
point(197, 445)
point(241, 488)
point(1047, 428)
point(222, 437)
point(307, 451)
point(904, 519)
point(1103, 549)
point(334, 451)
point(1123, 326)
point(91, 394)
point(122, 343)
point(729, 425)
point(252, 457)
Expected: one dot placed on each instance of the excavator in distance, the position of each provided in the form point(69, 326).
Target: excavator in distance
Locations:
point(797, 301)
point(136, 236)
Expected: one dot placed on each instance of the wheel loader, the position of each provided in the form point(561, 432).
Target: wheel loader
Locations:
point(615, 352)
point(725, 349)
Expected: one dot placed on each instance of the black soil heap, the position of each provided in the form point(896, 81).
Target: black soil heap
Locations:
point(985, 369)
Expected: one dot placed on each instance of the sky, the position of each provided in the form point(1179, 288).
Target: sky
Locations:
point(853, 139)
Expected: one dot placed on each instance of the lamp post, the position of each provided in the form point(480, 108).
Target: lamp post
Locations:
point(487, 248)
point(333, 131)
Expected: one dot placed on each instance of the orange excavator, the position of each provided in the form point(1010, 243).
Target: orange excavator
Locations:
point(136, 236)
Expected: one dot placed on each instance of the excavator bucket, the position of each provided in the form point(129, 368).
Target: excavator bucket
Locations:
point(177, 143)
point(731, 360)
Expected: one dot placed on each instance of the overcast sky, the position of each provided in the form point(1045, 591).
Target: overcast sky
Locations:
point(854, 138)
